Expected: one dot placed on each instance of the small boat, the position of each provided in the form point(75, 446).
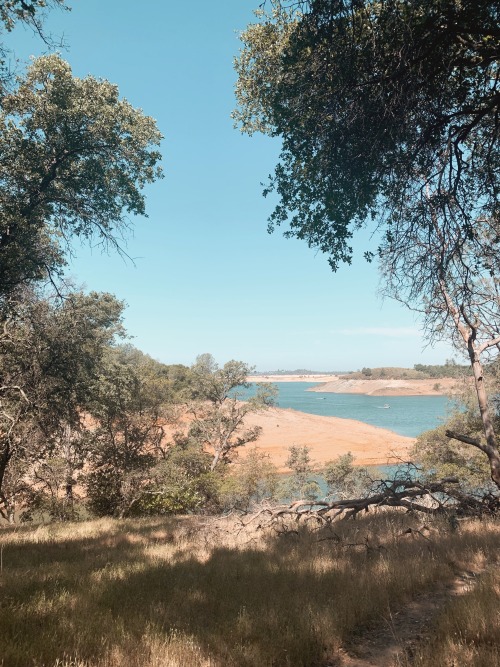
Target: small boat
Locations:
point(386, 405)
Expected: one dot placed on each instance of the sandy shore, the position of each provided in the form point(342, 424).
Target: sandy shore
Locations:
point(291, 378)
point(327, 438)
point(340, 384)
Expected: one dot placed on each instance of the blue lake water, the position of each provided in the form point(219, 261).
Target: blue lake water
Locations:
point(406, 415)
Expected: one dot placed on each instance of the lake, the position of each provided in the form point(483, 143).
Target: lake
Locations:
point(406, 415)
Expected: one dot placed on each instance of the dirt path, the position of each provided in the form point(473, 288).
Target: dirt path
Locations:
point(402, 631)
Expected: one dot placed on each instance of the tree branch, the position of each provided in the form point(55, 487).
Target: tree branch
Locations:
point(475, 442)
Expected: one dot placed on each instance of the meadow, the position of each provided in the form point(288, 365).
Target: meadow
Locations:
point(200, 592)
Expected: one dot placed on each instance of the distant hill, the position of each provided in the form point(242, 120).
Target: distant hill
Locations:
point(419, 372)
point(298, 371)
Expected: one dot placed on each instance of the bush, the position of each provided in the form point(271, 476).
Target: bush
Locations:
point(345, 480)
point(249, 481)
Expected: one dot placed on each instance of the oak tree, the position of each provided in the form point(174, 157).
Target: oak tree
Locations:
point(74, 159)
point(374, 102)
point(51, 350)
point(389, 116)
point(219, 413)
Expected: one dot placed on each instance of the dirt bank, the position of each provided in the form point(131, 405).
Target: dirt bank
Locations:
point(341, 384)
point(327, 437)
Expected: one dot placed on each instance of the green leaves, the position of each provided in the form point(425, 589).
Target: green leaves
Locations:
point(74, 159)
point(219, 414)
point(373, 102)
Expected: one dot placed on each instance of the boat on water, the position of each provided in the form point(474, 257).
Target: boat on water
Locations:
point(386, 406)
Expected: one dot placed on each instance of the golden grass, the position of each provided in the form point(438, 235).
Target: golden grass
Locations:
point(176, 592)
point(467, 631)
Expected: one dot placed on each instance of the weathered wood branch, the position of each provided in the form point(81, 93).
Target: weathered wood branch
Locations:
point(493, 342)
point(14, 387)
point(475, 442)
point(412, 495)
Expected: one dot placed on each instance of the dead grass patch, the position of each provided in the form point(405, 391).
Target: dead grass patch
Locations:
point(179, 591)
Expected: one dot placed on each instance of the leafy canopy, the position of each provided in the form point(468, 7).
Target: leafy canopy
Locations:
point(376, 103)
point(74, 159)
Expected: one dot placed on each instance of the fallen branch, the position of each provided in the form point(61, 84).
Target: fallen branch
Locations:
point(412, 495)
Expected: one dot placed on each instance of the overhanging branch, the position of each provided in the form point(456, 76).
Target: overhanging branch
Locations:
point(475, 442)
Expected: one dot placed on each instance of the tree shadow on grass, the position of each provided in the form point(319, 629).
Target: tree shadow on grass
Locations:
point(244, 608)
point(82, 596)
point(288, 605)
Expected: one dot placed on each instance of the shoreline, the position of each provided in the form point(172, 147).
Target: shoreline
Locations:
point(291, 378)
point(327, 438)
point(341, 384)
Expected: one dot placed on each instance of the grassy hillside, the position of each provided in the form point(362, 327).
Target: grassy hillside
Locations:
point(189, 592)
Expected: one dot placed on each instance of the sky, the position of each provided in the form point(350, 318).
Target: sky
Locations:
point(206, 276)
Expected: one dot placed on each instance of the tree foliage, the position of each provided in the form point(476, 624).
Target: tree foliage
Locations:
point(126, 437)
point(180, 483)
point(253, 480)
point(218, 413)
point(50, 351)
point(344, 479)
point(30, 13)
point(303, 482)
point(375, 102)
point(74, 159)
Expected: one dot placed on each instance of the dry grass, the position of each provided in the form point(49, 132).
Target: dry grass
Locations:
point(467, 631)
point(176, 592)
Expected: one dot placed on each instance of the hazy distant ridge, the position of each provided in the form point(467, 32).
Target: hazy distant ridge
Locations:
point(299, 371)
point(419, 372)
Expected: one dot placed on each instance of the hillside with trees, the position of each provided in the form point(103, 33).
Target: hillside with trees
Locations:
point(450, 369)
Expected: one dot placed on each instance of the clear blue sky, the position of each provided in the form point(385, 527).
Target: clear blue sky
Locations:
point(207, 277)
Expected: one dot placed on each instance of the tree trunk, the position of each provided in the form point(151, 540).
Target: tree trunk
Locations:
point(468, 331)
point(491, 447)
point(4, 461)
point(215, 460)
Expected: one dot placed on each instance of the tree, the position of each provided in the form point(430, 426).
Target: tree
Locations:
point(31, 13)
point(74, 159)
point(127, 433)
point(441, 457)
point(50, 352)
point(374, 101)
point(179, 483)
point(218, 413)
point(388, 113)
point(344, 480)
point(452, 279)
point(252, 481)
point(302, 483)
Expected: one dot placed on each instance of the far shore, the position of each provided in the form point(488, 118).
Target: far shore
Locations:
point(291, 378)
point(341, 384)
